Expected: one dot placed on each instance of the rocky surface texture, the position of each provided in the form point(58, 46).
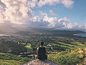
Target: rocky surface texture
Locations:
point(84, 62)
point(39, 62)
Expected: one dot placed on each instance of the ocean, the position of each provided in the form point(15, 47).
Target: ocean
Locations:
point(80, 34)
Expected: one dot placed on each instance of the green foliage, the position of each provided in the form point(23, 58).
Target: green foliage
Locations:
point(16, 48)
point(10, 59)
point(68, 57)
point(25, 59)
point(28, 47)
point(9, 62)
point(65, 46)
point(8, 56)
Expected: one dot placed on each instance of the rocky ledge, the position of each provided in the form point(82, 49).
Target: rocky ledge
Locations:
point(39, 62)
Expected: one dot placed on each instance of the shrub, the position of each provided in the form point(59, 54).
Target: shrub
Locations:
point(10, 59)
point(68, 57)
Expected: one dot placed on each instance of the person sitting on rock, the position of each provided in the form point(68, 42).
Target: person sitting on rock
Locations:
point(41, 52)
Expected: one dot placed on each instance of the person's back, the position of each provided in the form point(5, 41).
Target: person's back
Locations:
point(41, 52)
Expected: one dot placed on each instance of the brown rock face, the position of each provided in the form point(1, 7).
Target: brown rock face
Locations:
point(84, 62)
point(39, 62)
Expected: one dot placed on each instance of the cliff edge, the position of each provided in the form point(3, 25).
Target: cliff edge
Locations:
point(39, 62)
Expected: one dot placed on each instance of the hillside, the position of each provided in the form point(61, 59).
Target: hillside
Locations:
point(49, 31)
point(84, 60)
point(69, 48)
point(10, 59)
point(69, 57)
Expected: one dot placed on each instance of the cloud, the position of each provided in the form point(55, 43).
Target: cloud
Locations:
point(40, 3)
point(64, 19)
point(75, 26)
point(55, 22)
point(67, 3)
point(37, 22)
point(35, 19)
point(18, 14)
point(53, 13)
point(48, 22)
point(44, 14)
point(1, 15)
point(32, 3)
point(16, 11)
point(50, 2)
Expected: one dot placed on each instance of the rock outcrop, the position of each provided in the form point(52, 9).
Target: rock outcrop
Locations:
point(39, 62)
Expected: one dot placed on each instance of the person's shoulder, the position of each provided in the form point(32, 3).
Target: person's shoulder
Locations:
point(38, 48)
point(45, 48)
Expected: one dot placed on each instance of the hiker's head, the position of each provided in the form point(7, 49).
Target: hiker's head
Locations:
point(41, 43)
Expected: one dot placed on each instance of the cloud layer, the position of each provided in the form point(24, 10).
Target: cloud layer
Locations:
point(40, 3)
point(16, 11)
point(19, 13)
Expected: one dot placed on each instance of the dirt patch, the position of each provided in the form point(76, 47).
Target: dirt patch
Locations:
point(84, 61)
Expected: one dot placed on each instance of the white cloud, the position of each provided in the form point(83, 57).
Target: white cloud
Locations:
point(67, 3)
point(32, 3)
point(64, 19)
point(40, 3)
point(16, 11)
point(50, 2)
point(55, 22)
point(53, 13)
point(1, 15)
point(75, 26)
point(72, 25)
point(35, 19)
point(48, 22)
point(44, 14)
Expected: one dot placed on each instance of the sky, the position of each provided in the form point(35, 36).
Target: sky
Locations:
point(58, 14)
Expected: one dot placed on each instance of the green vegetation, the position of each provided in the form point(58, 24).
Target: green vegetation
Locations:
point(14, 47)
point(68, 46)
point(28, 47)
point(10, 59)
point(67, 57)
point(9, 62)
point(65, 46)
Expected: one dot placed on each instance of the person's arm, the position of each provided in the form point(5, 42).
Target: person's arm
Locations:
point(37, 50)
point(46, 51)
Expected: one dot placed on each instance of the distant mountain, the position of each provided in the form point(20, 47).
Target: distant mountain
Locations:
point(6, 28)
point(48, 30)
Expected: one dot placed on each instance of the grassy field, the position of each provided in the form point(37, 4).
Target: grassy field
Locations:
point(28, 47)
point(68, 57)
point(71, 46)
point(11, 59)
point(9, 62)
